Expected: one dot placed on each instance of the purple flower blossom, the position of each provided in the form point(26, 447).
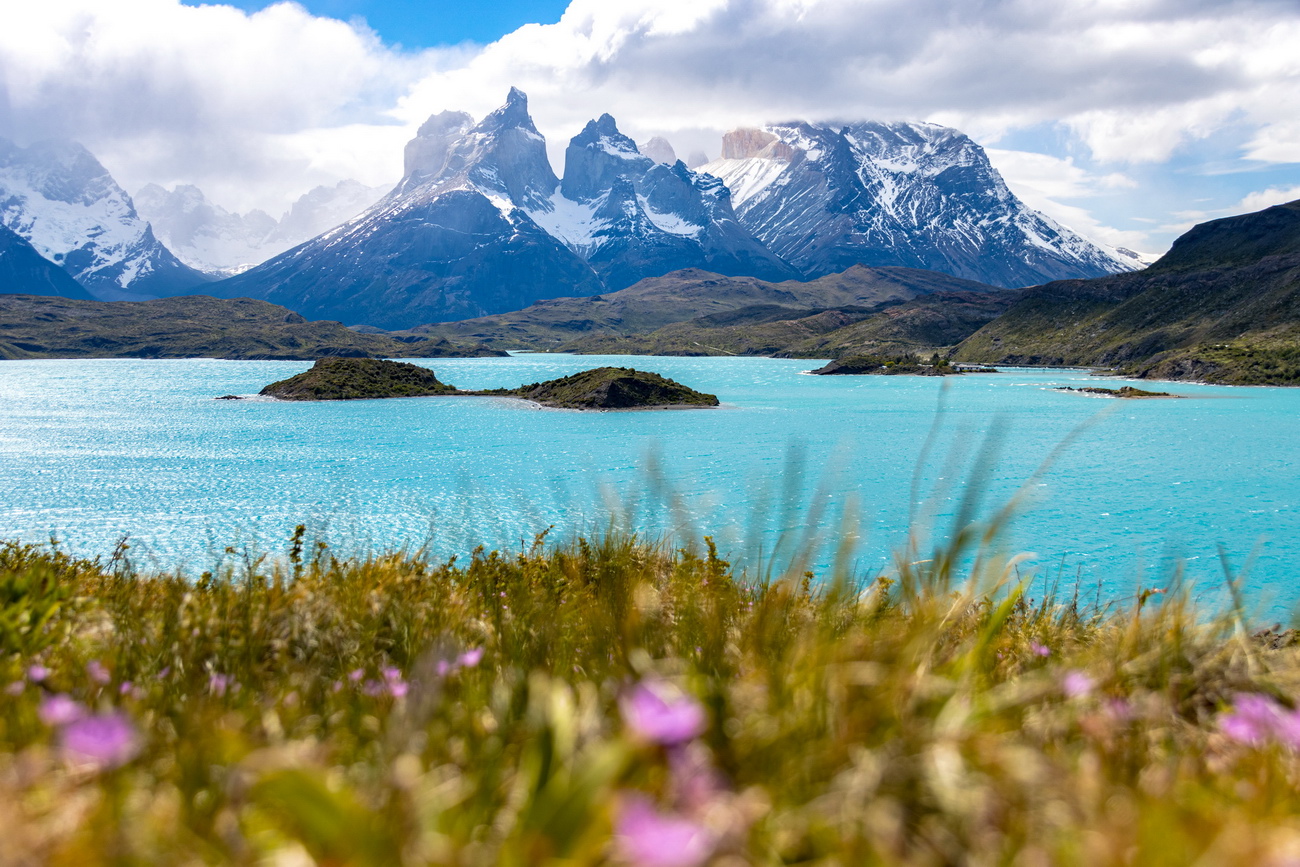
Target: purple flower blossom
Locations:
point(105, 741)
point(37, 673)
point(97, 672)
point(444, 668)
point(662, 714)
point(1076, 684)
point(1039, 649)
point(649, 838)
point(59, 710)
point(1256, 719)
point(470, 658)
point(398, 688)
point(356, 674)
point(218, 684)
point(392, 674)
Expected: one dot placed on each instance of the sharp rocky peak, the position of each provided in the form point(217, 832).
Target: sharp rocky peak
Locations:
point(501, 155)
point(597, 157)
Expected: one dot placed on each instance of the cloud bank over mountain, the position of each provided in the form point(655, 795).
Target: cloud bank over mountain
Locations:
point(256, 108)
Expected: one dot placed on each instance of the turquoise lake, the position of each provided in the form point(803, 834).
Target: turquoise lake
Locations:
point(91, 451)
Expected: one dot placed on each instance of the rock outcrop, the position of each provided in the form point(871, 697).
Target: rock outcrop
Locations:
point(358, 379)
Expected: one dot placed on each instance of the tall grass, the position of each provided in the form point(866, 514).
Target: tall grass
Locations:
point(613, 700)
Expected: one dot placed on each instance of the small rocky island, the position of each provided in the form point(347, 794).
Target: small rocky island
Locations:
point(887, 365)
point(358, 379)
point(1126, 391)
point(613, 388)
point(603, 388)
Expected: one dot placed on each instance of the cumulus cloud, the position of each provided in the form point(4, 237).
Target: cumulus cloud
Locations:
point(1267, 198)
point(1043, 181)
point(255, 108)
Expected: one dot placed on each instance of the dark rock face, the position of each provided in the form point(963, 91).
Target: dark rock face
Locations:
point(358, 379)
point(614, 388)
point(895, 194)
point(23, 271)
point(416, 259)
point(57, 197)
point(631, 218)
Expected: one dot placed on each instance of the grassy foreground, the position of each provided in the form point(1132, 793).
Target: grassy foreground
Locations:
point(618, 702)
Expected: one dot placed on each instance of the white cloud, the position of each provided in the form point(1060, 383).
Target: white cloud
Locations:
point(1041, 181)
point(1267, 198)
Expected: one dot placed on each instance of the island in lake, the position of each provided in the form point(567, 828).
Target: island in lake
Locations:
point(602, 388)
point(1126, 391)
point(896, 365)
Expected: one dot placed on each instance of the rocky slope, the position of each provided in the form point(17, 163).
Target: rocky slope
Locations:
point(916, 195)
point(25, 271)
point(925, 324)
point(194, 326)
point(1223, 305)
point(58, 197)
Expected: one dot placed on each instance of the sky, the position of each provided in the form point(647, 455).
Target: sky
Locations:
point(1127, 120)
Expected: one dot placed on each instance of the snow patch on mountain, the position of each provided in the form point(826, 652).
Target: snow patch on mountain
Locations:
point(58, 197)
point(825, 197)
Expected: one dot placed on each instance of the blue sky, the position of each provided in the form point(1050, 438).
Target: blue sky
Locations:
point(1127, 121)
point(418, 24)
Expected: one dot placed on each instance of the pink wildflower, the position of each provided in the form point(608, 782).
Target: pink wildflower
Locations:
point(648, 838)
point(59, 710)
point(37, 673)
point(356, 674)
point(1076, 684)
point(470, 658)
point(659, 713)
point(1256, 719)
point(1039, 649)
point(105, 741)
point(218, 684)
point(97, 672)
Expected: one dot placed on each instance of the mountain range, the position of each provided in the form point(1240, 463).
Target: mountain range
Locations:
point(480, 223)
point(57, 197)
point(917, 195)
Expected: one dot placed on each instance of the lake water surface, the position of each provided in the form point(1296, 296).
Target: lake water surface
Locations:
point(91, 451)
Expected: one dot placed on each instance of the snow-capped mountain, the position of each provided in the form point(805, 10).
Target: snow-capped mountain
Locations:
point(480, 224)
point(917, 195)
point(23, 271)
point(631, 217)
point(57, 196)
point(205, 236)
point(453, 240)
